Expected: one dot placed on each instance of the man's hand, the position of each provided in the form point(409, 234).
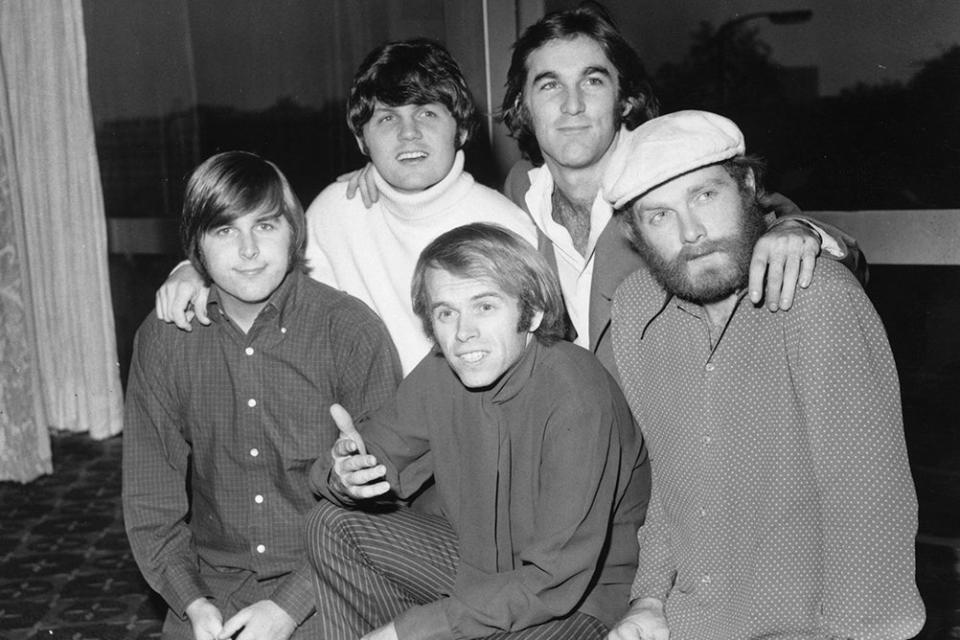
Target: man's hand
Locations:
point(263, 620)
point(644, 621)
point(205, 619)
point(386, 632)
point(354, 469)
point(786, 254)
point(183, 296)
point(361, 179)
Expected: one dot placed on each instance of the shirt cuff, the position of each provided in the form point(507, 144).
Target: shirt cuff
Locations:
point(424, 622)
point(828, 243)
point(295, 594)
point(187, 587)
point(177, 267)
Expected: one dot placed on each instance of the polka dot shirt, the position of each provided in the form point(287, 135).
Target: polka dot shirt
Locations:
point(782, 502)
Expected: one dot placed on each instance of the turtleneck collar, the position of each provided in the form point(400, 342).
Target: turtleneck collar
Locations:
point(429, 202)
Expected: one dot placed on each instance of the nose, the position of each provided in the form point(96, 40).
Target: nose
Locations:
point(466, 328)
point(248, 246)
point(409, 129)
point(572, 101)
point(691, 229)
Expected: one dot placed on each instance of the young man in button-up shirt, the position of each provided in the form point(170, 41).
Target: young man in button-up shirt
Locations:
point(782, 502)
point(224, 422)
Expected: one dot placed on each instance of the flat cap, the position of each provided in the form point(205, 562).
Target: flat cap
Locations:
point(663, 148)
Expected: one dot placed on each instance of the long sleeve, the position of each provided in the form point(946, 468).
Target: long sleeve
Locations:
point(582, 472)
point(368, 366)
point(851, 402)
point(656, 567)
point(295, 594)
point(155, 455)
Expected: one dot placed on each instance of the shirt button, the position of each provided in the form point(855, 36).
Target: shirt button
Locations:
point(258, 499)
point(261, 548)
point(283, 329)
point(710, 366)
point(254, 452)
point(248, 351)
point(251, 403)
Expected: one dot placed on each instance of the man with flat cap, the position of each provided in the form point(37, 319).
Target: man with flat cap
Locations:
point(782, 502)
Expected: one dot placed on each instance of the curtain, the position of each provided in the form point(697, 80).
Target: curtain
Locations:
point(52, 172)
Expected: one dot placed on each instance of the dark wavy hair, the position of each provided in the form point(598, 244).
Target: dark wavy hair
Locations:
point(231, 185)
point(637, 102)
point(418, 71)
point(493, 253)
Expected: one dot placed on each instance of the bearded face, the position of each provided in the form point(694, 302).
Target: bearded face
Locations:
point(696, 233)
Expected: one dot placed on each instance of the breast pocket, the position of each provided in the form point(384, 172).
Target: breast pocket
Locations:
point(309, 434)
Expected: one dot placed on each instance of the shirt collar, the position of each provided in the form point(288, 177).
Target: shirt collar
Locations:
point(280, 303)
point(516, 377)
point(661, 300)
point(436, 199)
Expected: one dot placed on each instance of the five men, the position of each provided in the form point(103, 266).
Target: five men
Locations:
point(540, 470)
point(223, 423)
point(541, 474)
point(782, 505)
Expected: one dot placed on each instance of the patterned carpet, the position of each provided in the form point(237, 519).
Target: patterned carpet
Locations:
point(66, 572)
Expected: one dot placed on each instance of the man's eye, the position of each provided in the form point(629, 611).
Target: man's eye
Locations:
point(595, 81)
point(386, 118)
point(655, 217)
point(428, 113)
point(442, 314)
point(222, 232)
point(706, 195)
point(549, 85)
point(267, 226)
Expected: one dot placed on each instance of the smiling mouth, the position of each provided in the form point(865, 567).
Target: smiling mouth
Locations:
point(251, 272)
point(411, 155)
point(472, 357)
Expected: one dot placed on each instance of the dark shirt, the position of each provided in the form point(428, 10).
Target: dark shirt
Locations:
point(543, 477)
point(783, 505)
point(239, 419)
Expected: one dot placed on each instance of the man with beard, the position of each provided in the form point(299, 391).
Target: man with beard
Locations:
point(782, 502)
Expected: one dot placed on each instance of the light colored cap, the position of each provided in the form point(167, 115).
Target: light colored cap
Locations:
point(666, 147)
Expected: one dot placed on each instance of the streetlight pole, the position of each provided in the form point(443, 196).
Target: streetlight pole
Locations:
point(723, 33)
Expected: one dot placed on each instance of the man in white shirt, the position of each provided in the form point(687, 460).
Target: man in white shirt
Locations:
point(574, 85)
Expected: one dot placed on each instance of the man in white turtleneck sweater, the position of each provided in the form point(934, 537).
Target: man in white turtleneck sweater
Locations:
point(411, 113)
point(371, 253)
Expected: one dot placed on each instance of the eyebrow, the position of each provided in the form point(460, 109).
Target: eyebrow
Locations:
point(699, 186)
point(479, 296)
point(586, 71)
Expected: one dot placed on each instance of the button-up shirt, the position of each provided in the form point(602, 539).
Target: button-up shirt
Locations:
point(574, 270)
point(222, 428)
point(782, 503)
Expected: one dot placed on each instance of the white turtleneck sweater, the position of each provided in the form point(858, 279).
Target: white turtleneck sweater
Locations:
point(371, 253)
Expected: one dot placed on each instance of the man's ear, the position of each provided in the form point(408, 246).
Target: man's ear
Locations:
point(461, 137)
point(535, 321)
point(363, 147)
point(750, 180)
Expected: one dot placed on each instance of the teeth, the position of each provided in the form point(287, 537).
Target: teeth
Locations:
point(473, 356)
point(411, 155)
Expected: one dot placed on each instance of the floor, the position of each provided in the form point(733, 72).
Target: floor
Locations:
point(66, 571)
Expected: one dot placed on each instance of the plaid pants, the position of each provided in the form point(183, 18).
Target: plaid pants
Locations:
point(371, 567)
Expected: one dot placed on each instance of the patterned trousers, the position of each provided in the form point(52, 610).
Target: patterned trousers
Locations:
point(371, 567)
